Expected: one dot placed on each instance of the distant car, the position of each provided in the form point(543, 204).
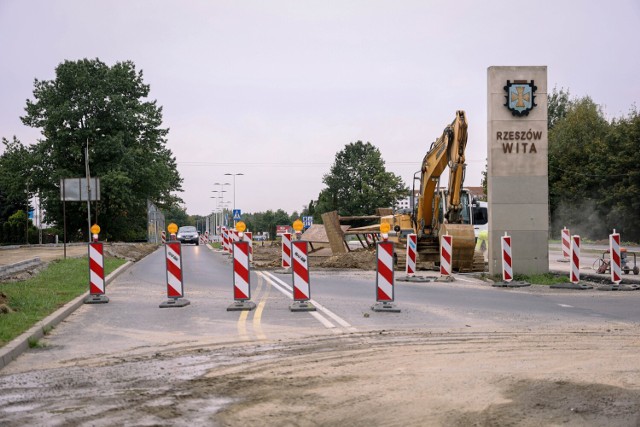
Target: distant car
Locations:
point(259, 238)
point(188, 234)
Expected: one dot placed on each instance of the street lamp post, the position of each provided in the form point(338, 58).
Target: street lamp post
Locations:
point(234, 189)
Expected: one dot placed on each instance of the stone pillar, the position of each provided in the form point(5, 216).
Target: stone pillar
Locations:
point(517, 174)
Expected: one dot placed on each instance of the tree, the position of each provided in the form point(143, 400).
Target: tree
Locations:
point(90, 104)
point(558, 106)
point(579, 169)
point(16, 165)
point(358, 183)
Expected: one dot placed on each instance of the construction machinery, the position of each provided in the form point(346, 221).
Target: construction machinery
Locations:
point(437, 211)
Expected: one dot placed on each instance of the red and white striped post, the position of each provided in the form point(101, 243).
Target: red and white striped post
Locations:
point(286, 250)
point(225, 240)
point(566, 244)
point(301, 284)
point(175, 285)
point(412, 248)
point(248, 237)
point(574, 275)
point(241, 276)
point(206, 236)
point(96, 275)
point(385, 283)
point(507, 270)
point(616, 260)
point(446, 252)
point(164, 237)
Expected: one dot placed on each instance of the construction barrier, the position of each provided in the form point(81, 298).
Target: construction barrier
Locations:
point(175, 286)
point(507, 270)
point(385, 293)
point(566, 244)
point(301, 284)
point(241, 278)
point(225, 240)
point(164, 237)
point(206, 237)
point(616, 260)
point(574, 271)
point(248, 237)
point(574, 275)
point(286, 250)
point(96, 275)
point(412, 248)
point(446, 251)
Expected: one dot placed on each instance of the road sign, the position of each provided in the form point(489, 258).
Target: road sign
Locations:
point(307, 221)
point(237, 215)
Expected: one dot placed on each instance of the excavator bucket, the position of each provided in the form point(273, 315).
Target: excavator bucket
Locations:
point(464, 242)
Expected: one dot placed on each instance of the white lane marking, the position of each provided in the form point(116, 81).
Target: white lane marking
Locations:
point(565, 305)
point(288, 292)
point(318, 306)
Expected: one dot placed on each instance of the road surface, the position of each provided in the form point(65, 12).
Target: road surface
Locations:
point(458, 353)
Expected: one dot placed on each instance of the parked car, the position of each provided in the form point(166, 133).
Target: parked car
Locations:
point(188, 234)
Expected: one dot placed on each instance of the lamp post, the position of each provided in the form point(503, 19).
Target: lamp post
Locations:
point(221, 191)
point(234, 188)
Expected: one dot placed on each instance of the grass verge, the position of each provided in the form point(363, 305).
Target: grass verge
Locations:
point(546, 279)
point(32, 300)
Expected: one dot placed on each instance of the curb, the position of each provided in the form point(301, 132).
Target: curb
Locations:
point(21, 343)
point(17, 267)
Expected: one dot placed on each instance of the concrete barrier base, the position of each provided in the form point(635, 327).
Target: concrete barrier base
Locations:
point(302, 306)
point(242, 306)
point(96, 299)
point(175, 302)
point(385, 306)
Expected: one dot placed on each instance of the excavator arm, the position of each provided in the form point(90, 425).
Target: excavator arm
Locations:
point(448, 150)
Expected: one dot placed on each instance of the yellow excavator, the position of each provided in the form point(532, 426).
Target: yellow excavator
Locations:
point(441, 212)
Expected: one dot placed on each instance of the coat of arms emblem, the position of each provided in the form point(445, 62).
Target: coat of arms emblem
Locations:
point(520, 97)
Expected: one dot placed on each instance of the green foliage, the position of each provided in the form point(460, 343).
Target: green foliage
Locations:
point(267, 221)
point(16, 164)
point(34, 299)
point(358, 183)
point(178, 215)
point(594, 179)
point(104, 108)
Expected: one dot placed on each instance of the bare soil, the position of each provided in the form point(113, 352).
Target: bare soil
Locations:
point(573, 377)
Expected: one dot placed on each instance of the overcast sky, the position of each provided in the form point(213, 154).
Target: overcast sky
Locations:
point(274, 89)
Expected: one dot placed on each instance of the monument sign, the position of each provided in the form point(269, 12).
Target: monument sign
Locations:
point(517, 174)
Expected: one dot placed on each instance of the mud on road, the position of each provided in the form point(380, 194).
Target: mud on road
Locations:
point(527, 378)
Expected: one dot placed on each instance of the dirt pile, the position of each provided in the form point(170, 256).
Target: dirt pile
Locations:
point(129, 251)
point(363, 259)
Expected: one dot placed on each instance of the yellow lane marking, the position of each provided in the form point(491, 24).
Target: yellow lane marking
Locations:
point(242, 325)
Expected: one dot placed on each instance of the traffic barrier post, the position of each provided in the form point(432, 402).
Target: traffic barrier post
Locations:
point(241, 278)
point(301, 283)
point(164, 237)
point(574, 270)
point(616, 260)
point(412, 256)
point(566, 244)
point(174, 276)
point(385, 286)
point(446, 252)
point(96, 271)
point(248, 237)
point(507, 266)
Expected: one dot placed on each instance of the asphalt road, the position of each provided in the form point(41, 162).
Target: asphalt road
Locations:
point(105, 356)
point(133, 320)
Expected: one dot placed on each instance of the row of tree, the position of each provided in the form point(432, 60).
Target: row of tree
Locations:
point(97, 117)
point(594, 169)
